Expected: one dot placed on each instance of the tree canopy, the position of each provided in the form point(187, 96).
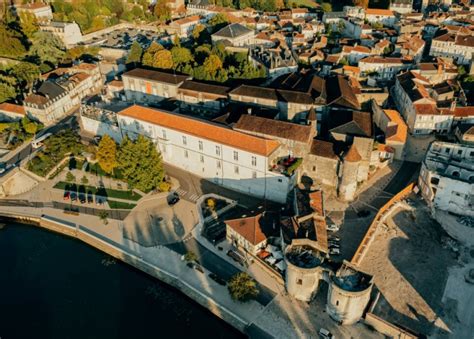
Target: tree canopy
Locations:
point(11, 42)
point(135, 54)
point(140, 163)
point(242, 287)
point(107, 154)
point(47, 47)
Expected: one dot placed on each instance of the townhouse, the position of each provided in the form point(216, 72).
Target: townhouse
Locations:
point(458, 46)
point(383, 68)
point(148, 86)
point(383, 16)
point(446, 178)
point(184, 27)
point(41, 11)
point(11, 112)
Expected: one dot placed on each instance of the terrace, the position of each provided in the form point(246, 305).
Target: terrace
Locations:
point(286, 165)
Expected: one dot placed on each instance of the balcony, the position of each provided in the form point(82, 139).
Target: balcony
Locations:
point(286, 165)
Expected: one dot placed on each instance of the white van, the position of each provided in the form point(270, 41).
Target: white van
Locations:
point(39, 141)
point(323, 333)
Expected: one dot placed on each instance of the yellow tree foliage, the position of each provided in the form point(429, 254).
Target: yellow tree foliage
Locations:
point(361, 3)
point(163, 59)
point(107, 154)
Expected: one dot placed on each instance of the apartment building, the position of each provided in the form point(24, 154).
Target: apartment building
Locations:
point(446, 179)
point(41, 11)
point(383, 16)
point(217, 153)
point(381, 68)
point(148, 86)
point(68, 32)
point(184, 27)
point(458, 46)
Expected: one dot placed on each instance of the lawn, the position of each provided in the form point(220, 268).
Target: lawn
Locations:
point(109, 193)
point(120, 205)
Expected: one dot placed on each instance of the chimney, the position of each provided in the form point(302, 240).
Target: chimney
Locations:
point(440, 68)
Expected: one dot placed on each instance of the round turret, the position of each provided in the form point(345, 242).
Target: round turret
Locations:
point(304, 271)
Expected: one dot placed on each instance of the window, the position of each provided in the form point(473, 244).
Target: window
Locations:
point(186, 153)
point(446, 150)
point(254, 174)
point(459, 151)
point(218, 163)
point(200, 145)
point(299, 281)
point(236, 169)
point(185, 142)
point(202, 158)
point(163, 133)
point(314, 168)
point(280, 180)
point(337, 302)
point(254, 161)
point(455, 174)
point(236, 156)
point(218, 150)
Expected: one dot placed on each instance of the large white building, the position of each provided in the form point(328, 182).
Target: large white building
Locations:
point(446, 179)
point(460, 47)
point(68, 32)
point(214, 152)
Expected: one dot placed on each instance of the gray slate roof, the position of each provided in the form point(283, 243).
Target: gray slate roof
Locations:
point(232, 31)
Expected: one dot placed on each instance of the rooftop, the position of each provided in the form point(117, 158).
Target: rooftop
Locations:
point(349, 278)
point(304, 256)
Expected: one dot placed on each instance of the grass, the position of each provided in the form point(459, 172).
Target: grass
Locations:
point(109, 193)
point(120, 205)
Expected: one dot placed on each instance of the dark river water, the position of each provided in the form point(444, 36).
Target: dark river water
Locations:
point(52, 286)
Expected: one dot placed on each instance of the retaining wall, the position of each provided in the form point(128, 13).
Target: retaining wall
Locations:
point(387, 328)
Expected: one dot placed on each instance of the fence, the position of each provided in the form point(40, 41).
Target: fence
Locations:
point(370, 235)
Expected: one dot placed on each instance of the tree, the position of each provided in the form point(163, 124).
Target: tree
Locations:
point(149, 54)
point(190, 256)
point(47, 47)
point(10, 42)
point(181, 56)
point(28, 24)
point(70, 177)
point(135, 54)
point(199, 33)
point(29, 126)
point(107, 154)
point(163, 59)
point(326, 7)
point(217, 22)
point(242, 287)
point(162, 11)
point(212, 64)
point(84, 180)
point(7, 92)
point(103, 215)
point(25, 72)
point(140, 163)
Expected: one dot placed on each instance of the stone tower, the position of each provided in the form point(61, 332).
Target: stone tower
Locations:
point(348, 176)
point(349, 294)
point(304, 272)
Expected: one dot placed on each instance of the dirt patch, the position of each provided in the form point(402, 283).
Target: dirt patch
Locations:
point(411, 269)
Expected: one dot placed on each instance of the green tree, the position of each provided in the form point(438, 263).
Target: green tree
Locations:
point(148, 56)
point(25, 72)
point(10, 42)
point(181, 56)
point(200, 33)
point(47, 47)
point(190, 256)
point(107, 154)
point(163, 59)
point(84, 180)
point(28, 24)
point(6, 92)
point(326, 7)
point(140, 163)
point(162, 11)
point(135, 54)
point(29, 126)
point(217, 22)
point(103, 215)
point(70, 177)
point(212, 64)
point(242, 287)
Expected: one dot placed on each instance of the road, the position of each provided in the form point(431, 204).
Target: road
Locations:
point(67, 122)
point(217, 265)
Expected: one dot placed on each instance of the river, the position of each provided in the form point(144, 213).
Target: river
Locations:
point(52, 286)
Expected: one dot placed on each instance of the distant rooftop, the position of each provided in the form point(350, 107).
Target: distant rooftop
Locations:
point(304, 256)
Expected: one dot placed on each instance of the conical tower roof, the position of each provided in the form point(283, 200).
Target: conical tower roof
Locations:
point(352, 155)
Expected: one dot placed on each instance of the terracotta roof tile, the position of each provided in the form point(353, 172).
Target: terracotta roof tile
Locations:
point(12, 108)
point(202, 129)
point(352, 155)
point(254, 229)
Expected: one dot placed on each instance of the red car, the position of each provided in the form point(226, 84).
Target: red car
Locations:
point(67, 195)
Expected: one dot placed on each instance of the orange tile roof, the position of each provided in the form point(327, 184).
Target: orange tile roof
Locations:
point(353, 155)
point(401, 132)
point(316, 202)
point(249, 228)
point(378, 11)
point(12, 108)
point(202, 129)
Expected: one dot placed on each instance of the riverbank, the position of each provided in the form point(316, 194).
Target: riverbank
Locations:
point(140, 258)
point(53, 286)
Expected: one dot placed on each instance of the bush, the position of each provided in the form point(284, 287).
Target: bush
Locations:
point(242, 287)
point(164, 186)
point(190, 256)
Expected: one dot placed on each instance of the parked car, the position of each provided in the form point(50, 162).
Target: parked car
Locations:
point(332, 228)
point(217, 279)
point(67, 195)
point(198, 268)
point(90, 197)
point(334, 251)
point(73, 196)
point(82, 198)
point(334, 237)
point(173, 199)
point(235, 256)
point(334, 246)
point(323, 333)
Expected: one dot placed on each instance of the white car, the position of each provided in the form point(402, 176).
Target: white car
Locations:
point(334, 251)
point(332, 228)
